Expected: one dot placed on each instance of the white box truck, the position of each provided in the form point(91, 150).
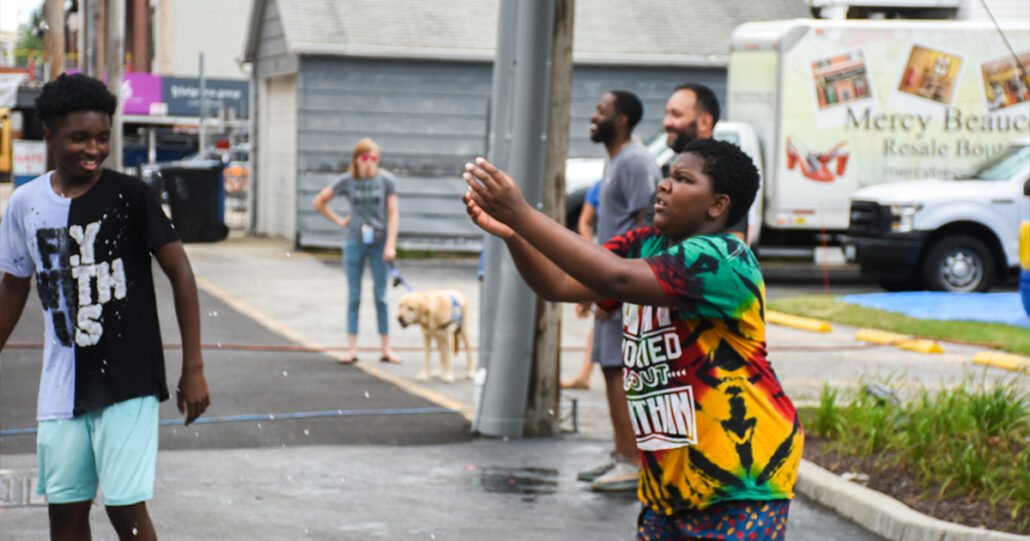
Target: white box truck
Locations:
point(841, 105)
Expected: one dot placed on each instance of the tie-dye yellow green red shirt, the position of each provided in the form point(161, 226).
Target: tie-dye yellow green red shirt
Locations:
point(711, 419)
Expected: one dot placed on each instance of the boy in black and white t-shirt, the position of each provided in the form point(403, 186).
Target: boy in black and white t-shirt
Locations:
point(87, 235)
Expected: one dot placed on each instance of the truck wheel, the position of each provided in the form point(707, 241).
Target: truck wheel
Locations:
point(959, 264)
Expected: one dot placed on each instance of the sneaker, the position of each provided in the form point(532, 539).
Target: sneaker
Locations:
point(597, 471)
point(622, 477)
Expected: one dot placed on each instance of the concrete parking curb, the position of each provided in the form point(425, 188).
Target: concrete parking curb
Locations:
point(1007, 361)
point(797, 322)
point(910, 343)
point(882, 514)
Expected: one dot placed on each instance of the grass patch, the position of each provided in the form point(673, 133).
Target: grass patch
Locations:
point(994, 335)
point(973, 440)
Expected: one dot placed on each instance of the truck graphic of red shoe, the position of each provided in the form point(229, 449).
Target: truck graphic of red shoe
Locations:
point(814, 165)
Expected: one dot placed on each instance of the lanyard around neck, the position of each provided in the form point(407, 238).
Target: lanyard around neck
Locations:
point(366, 196)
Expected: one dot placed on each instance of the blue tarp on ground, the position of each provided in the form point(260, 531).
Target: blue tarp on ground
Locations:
point(991, 307)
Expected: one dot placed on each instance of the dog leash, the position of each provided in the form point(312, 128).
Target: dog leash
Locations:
point(399, 280)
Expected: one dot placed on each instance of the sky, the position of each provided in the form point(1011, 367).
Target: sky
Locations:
point(15, 12)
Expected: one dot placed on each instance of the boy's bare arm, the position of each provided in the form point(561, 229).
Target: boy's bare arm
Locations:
point(542, 276)
point(14, 291)
point(192, 393)
point(599, 270)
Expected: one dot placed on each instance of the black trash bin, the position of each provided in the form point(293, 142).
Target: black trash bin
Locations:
point(196, 198)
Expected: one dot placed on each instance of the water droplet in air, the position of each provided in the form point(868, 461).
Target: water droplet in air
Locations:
point(366, 394)
point(285, 373)
point(219, 344)
point(307, 432)
point(259, 425)
point(135, 531)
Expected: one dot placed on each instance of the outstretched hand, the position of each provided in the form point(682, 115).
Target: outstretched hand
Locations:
point(485, 221)
point(493, 193)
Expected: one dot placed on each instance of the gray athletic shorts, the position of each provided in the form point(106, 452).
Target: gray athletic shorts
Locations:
point(607, 345)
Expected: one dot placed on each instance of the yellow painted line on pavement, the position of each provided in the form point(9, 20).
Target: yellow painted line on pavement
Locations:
point(798, 322)
point(374, 371)
point(251, 312)
point(1007, 361)
point(911, 343)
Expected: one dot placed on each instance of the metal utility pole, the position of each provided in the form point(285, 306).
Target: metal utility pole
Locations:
point(202, 139)
point(524, 342)
point(53, 13)
point(115, 64)
point(98, 34)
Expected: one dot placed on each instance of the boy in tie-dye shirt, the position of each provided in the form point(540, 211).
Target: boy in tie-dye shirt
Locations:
point(720, 442)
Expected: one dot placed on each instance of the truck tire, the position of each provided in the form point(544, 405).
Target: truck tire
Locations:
point(960, 264)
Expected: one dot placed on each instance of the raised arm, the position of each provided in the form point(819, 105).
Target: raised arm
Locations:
point(542, 275)
point(14, 291)
point(192, 393)
point(494, 193)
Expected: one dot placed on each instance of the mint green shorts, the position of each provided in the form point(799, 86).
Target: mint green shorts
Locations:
point(115, 447)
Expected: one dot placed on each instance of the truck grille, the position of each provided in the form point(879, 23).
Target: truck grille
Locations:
point(869, 219)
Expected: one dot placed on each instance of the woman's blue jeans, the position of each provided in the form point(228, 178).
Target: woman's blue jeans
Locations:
point(354, 255)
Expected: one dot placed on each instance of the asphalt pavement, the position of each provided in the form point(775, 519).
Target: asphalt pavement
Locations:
point(295, 446)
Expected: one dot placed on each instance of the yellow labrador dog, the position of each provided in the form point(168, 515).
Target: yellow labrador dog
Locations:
point(441, 314)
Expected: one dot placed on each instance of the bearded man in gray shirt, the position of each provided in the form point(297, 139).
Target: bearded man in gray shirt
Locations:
point(627, 198)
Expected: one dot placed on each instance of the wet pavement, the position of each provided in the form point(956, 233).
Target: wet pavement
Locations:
point(296, 446)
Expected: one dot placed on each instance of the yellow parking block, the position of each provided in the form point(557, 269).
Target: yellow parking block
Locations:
point(1007, 361)
point(798, 322)
point(911, 343)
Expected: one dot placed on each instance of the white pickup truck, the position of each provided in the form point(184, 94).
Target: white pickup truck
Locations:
point(949, 235)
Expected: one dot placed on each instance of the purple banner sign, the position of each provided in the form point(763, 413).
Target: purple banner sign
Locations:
point(139, 91)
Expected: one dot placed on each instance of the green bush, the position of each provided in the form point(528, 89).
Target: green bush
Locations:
point(972, 439)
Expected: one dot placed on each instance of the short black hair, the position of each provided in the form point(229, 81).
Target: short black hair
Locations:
point(72, 93)
point(706, 100)
point(627, 103)
point(732, 172)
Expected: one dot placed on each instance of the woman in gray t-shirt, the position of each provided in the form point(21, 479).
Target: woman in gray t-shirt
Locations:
point(371, 233)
